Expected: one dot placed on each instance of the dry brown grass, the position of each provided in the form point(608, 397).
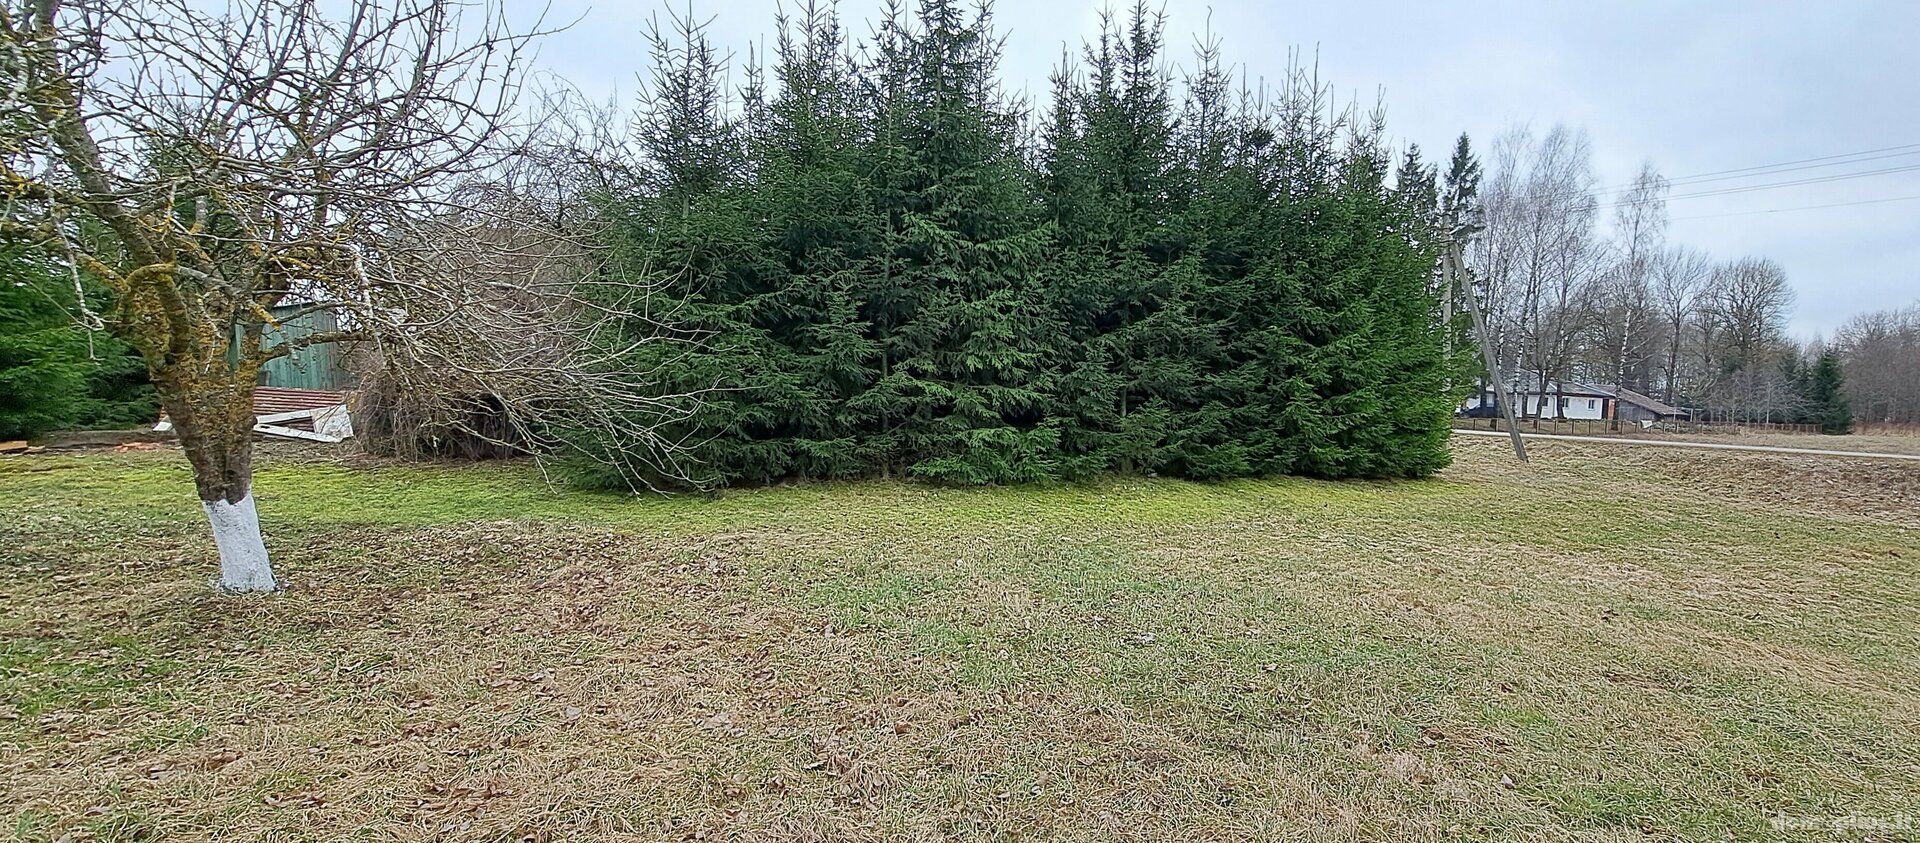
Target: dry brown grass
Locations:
point(1606, 644)
point(1873, 443)
point(1871, 440)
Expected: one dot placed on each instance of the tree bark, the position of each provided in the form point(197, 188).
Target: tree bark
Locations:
point(216, 433)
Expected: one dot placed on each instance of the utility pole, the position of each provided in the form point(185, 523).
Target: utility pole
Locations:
point(1457, 269)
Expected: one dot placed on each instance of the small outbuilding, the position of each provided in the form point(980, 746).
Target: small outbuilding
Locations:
point(1633, 406)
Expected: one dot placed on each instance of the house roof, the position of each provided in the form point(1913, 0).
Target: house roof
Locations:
point(272, 400)
point(1529, 384)
point(268, 400)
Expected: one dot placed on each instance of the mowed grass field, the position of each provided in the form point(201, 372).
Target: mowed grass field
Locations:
point(1607, 644)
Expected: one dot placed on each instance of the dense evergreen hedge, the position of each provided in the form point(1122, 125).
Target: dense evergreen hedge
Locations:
point(891, 270)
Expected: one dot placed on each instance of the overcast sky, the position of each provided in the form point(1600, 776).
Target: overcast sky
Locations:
point(1695, 87)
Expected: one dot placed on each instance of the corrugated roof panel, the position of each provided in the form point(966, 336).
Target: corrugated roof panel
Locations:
point(269, 399)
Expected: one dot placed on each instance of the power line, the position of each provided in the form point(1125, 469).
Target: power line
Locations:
point(1729, 191)
point(1688, 182)
point(1599, 195)
point(1800, 208)
point(1806, 160)
point(1907, 168)
point(1601, 203)
point(1780, 169)
point(1751, 170)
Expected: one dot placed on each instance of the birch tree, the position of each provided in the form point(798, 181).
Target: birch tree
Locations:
point(1623, 311)
point(210, 167)
point(1539, 252)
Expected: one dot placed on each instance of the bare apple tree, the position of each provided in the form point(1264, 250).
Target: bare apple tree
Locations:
point(212, 168)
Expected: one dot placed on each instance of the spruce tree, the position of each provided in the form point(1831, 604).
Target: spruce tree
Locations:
point(1077, 281)
point(1459, 218)
point(960, 397)
point(1826, 393)
point(815, 232)
point(54, 373)
point(1459, 199)
point(1111, 170)
point(1382, 378)
point(685, 226)
point(1211, 386)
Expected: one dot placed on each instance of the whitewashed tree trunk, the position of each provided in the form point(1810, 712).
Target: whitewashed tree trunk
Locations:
point(216, 434)
point(243, 554)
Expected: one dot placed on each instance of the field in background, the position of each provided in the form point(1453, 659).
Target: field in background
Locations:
point(1605, 644)
point(1875, 443)
point(1877, 440)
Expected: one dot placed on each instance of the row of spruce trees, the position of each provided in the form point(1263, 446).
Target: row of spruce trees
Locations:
point(892, 269)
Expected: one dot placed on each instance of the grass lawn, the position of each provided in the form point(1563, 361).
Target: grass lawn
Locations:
point(1608, 644)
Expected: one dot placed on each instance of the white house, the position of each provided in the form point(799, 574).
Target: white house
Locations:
point(1573, 400)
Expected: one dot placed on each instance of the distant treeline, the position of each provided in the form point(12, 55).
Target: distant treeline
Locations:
point(887, 268)
point(1633, 308)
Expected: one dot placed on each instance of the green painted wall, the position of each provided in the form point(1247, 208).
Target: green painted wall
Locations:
point(313, 367)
